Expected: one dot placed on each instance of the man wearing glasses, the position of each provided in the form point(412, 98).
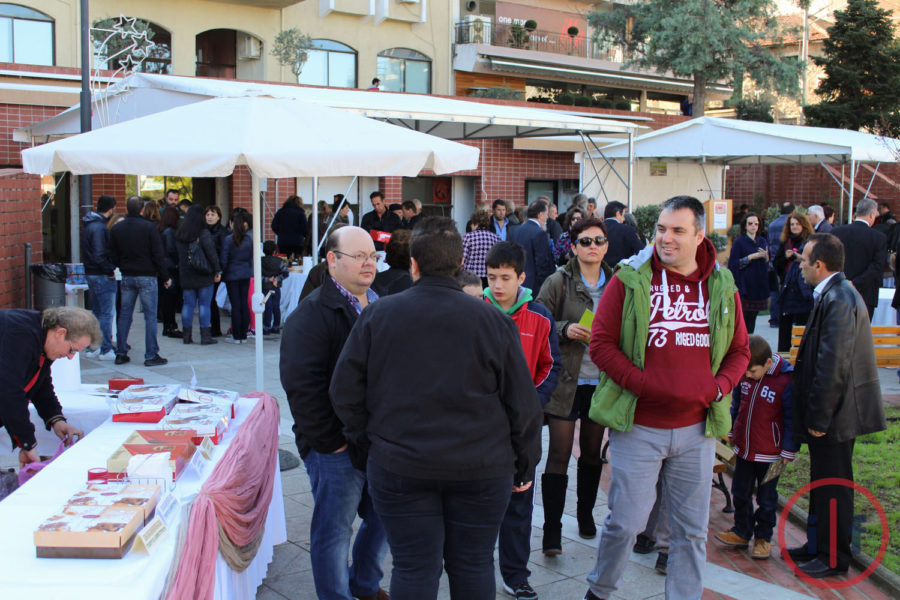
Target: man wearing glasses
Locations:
point(312, 340)
point(671, 344)
point(29, 343)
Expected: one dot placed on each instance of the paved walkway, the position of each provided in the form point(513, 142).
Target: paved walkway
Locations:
point(729, 573)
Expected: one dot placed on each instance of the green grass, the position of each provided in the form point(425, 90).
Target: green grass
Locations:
point(876, 465)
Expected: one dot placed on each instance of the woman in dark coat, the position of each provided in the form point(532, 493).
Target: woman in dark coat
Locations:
point(169, 297)
point(218, 232)
point(748, 263)
point(237, 269)
point(568, 293)
point(795, 300)
point(396, 279)
point(197, 284)
point(290, 226)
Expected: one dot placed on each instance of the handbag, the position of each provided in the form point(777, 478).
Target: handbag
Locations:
point(197, 258)
point(32, 469)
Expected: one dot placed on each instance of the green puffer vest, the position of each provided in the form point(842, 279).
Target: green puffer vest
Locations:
point(612, 405)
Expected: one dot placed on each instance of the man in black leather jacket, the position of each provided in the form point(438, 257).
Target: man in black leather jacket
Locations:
point(837, 398)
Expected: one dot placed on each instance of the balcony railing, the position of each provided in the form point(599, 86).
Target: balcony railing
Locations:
point(503, 34)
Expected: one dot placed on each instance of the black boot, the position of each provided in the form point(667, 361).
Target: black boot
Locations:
point(172, 331)
point(588, 482)
point(206, 336)
point(187, 335)
point(553, 492)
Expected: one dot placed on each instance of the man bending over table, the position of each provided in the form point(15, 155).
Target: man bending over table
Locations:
point(29, 343)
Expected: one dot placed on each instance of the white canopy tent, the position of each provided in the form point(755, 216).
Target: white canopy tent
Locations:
point(141, 94)
point(711, 140)
point(273, 137)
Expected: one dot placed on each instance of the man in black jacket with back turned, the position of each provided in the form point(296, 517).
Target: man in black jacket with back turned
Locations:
point(455, 435)
point(865, 251)
point(312, 340)
point(99, 271)
point(137, 249)
point(837, 397)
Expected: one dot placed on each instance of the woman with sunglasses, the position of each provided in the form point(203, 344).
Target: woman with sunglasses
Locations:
point(569, 293)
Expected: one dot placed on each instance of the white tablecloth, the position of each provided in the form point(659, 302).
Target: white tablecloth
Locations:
point(135, 576)
point(85, 407)
point(885, 314)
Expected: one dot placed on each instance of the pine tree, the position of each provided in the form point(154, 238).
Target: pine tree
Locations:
point(861, 89)
point(705, 40)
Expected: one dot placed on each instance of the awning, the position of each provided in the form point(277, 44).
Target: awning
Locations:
point(142, 94)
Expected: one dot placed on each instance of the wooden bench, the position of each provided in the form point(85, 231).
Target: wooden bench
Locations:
point(885, 338)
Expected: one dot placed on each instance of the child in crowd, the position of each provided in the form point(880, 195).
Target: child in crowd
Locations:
point(273, 272)
point(506, 273)
point(470, 283)
point(762, 415)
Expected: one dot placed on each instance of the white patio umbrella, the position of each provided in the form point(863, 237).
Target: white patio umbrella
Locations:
point(273, 137)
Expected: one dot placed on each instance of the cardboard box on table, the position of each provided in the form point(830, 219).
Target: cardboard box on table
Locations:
point(98, 522)
point(179, 455)
point(208, 420)
point(145, 403)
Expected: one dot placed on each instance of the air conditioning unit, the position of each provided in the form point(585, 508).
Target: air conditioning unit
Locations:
point(249, 47)
point(479, 29)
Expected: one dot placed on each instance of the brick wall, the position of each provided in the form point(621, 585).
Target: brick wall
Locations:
point(20, 205)
point(14, 116)
point(809, 184)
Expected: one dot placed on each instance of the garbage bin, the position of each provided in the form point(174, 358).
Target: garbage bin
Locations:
point(49, 285)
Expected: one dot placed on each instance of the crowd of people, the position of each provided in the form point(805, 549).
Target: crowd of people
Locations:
point(172, 257)
point(525, 327)
point(653, 348)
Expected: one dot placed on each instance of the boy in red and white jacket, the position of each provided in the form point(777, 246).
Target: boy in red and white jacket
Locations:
point(505, 264)
point(762, 433)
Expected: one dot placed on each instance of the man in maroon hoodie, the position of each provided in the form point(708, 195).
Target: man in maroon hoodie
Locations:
point(670, 343)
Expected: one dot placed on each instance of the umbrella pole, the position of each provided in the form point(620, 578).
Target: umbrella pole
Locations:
point(258, 302)
point(315, 221)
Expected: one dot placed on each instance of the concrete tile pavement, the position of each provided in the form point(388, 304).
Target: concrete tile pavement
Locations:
point(563, 577)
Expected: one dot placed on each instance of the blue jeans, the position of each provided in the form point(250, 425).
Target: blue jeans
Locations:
point(683, 458)
point(191, 298)
point(272, 314)
point(434, 525)
point(103, 299)
point(339, 493)
point(747, 523)
point(146, 288)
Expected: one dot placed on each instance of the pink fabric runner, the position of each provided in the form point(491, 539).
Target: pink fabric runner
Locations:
point(236, 497)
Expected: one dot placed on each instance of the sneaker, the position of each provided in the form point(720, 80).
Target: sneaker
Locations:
point(523, 591)
point(662, 562)
point(155, 361)
point(121, 359)
point(108, 355)
point(644, 544)
point(95, 353)
point(251, 334)
point(730, 538)
point(761, 549)
point(591, 596)
point(231, 340)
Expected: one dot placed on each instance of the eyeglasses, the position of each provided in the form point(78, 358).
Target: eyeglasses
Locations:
point(72, 350)
point(585, 242)
point(361, 257)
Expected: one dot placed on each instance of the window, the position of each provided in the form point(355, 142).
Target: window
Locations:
point(111, 51)
point(403, 70)
point(26, 36)
point(331, 64)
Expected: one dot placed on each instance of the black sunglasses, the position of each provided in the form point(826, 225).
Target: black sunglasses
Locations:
point(587, 241)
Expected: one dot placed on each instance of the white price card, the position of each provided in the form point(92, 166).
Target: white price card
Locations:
point(150, 536)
